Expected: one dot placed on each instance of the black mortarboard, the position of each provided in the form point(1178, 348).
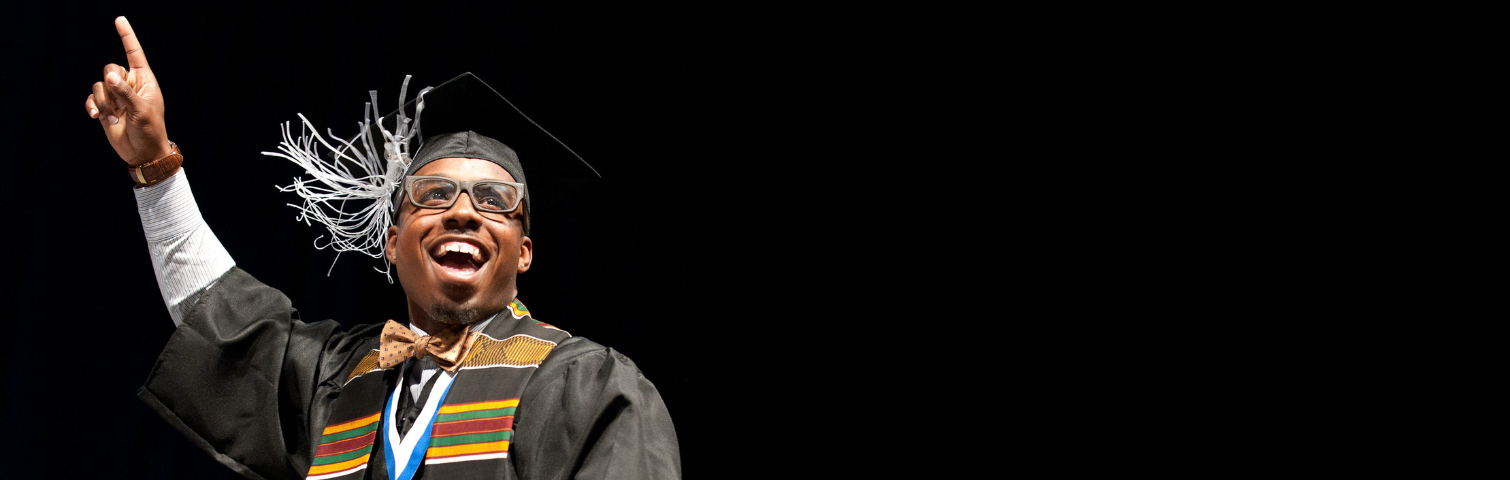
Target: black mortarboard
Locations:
point(465, 117)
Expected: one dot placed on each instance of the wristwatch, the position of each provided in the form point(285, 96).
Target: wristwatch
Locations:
point(148, 174)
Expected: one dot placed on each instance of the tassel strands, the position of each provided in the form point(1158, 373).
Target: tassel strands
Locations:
point(352, 172)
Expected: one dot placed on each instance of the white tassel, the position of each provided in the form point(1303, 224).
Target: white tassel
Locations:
point(365, 175)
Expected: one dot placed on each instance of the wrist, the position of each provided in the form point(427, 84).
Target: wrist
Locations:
point(150, 155)
point(149, 173)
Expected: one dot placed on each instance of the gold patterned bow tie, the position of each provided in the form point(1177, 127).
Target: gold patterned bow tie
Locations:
point(448, 348)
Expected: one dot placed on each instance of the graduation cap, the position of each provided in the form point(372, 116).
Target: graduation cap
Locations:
point(462, 117)
point(467, 118)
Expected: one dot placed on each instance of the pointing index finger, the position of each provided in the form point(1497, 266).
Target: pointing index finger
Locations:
point(135, 58)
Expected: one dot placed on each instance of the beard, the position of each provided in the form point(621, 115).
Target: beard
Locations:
point(453, 315)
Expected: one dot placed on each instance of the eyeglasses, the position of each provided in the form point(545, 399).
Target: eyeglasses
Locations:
point(441, 192)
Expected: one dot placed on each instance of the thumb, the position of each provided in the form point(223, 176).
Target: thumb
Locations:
point(120, 90)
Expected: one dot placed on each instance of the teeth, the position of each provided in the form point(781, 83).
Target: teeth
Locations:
point(461, 247)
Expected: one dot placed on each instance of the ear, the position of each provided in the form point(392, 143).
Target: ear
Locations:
point(390, 248)
point(526, 254)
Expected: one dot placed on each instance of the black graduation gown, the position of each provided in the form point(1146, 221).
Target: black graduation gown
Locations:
point(249, 383)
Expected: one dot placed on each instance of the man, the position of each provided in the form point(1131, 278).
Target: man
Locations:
point(473, 387)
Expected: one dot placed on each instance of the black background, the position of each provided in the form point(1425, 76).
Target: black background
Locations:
point(663, 259)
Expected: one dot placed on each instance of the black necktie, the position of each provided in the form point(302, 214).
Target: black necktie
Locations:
point(409, 408)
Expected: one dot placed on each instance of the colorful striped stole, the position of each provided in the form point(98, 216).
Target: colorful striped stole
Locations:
point(472, 431)
point(344, 448)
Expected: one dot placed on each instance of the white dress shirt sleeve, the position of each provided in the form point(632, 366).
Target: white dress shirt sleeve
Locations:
point(186, 256)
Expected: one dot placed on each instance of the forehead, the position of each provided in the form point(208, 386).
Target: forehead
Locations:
point(465, 169)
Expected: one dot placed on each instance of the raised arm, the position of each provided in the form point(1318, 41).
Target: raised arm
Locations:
point(186, 256)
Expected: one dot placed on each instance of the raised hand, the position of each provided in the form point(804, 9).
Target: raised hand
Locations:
point(129, 105)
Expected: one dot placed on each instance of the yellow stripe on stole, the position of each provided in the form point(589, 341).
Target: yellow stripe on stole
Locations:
point(502, 446)
point(358, 423)
point(472, 407)
point(335, 467)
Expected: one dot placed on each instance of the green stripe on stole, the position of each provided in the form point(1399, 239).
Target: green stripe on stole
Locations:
point(338, 458)
point(353, 433)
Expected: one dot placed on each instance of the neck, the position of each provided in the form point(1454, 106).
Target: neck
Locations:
point(421, 318)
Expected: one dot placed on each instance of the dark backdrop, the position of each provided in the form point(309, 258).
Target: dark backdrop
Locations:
point(653, 260)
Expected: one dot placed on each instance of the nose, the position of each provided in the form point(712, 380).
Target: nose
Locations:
point(462, 215)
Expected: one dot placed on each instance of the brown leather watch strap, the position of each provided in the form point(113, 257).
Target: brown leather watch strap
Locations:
point(148, 174)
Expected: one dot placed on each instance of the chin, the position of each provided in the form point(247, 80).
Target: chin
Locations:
point(454, 314)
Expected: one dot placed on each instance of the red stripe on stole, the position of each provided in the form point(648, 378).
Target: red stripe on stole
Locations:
point(346, 445)
point(480, 425)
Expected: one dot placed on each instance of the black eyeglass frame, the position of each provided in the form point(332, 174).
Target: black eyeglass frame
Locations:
point(463, 186)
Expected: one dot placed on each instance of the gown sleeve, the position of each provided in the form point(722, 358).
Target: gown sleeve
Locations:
point(243, 377)
point(589, 413)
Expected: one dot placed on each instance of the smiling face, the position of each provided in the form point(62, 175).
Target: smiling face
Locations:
point(458, 265)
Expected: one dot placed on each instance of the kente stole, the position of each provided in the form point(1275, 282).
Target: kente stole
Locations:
point(471, 431)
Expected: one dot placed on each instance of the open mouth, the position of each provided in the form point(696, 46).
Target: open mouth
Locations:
point(458, 257)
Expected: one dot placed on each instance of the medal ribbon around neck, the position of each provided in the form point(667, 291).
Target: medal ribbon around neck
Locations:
point(404, 453)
